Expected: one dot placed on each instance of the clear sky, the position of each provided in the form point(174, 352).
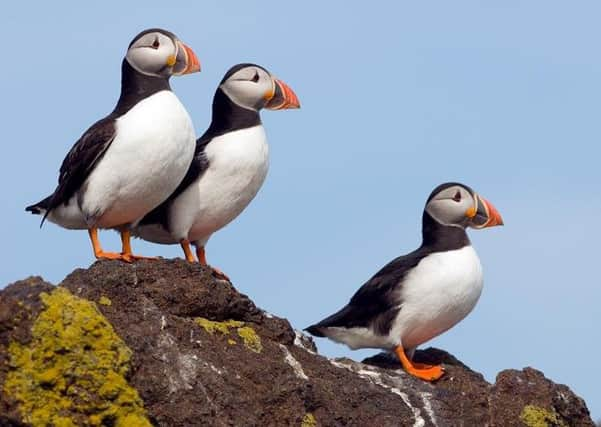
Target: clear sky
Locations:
point(397, 98)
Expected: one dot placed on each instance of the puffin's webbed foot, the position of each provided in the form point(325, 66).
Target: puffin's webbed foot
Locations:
point(113, 255)
point(127, 254)
point(419, 365)
point(420, 370)
point(100, 254)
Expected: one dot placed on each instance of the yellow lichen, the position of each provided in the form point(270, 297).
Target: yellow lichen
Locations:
point(104, 301)
point(535, 416)
point(250, 338)
point(309, 420)
point(212, 326)
point(252, 341)
point(73, 370)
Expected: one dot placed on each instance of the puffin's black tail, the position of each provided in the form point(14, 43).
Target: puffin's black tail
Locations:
point(347, 317)
point(40, 208)
point(315, 330)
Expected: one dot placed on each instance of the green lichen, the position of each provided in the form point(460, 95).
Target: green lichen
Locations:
point(535, 416)
point(249, 336)
point(309, 420)
point(73, 370)
point(105, 301)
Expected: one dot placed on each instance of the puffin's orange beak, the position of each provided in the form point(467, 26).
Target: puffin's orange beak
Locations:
point(186, 62)
point(484, 214)
point(282, 97)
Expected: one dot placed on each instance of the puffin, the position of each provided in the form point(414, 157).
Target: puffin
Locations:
point(229, 166)
point(418, 296)
point(129, 162)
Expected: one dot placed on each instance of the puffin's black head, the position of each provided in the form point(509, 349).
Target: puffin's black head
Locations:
point(455, 204)
point(253, 87)
point(159, 53)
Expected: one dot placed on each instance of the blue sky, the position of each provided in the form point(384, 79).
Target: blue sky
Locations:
point(396, 98)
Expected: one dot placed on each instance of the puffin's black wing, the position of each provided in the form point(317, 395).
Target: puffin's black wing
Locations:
point(377, 302)
point(198, 167)
point(81, 160)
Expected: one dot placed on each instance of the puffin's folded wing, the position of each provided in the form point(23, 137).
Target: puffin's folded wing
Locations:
point(81, 160)
point(377, 290)
point(376, 303)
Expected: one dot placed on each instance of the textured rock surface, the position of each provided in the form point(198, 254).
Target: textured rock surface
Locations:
point(203, 354)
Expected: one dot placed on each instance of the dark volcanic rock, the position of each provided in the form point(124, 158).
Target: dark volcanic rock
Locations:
point(204, 354)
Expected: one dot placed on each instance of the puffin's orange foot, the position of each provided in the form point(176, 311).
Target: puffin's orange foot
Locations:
point(219, 274)
point(113, 255)
point(428, 374)
point(419, 370)
point(419, 365)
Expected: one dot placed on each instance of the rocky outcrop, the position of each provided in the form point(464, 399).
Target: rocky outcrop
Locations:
point(164, 343)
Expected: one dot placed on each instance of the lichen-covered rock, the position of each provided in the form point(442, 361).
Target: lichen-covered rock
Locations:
point(164, 343)
point(72, 370)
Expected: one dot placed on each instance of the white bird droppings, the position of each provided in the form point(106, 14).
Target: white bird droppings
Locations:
point(376, 378)
point(298, 341)
point(295, 364)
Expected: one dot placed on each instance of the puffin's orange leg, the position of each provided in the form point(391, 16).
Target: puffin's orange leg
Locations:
point(202, 259)
point(187, 251)
point(126, 251)
point(420, 370)
point(200, 254)
point(98, 252)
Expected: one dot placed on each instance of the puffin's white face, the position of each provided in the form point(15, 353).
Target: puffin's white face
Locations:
point(459, 206)
point(159, 53)
point(252, 87)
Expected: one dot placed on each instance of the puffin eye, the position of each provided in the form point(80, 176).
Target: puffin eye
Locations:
point(155, 43)
point(255, 78)
point(457, 196)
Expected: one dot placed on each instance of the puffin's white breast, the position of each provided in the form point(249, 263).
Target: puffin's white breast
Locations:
point(238, 165)
point(148, 158)
point(439, 292)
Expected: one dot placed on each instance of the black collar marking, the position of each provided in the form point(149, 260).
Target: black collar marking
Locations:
point(228, 116)
point(135, 87)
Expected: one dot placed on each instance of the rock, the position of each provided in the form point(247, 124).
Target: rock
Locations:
point(164, 343)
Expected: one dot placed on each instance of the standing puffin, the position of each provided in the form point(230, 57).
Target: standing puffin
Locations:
point(418, 296)
point(229, 166)
point(129, 162)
